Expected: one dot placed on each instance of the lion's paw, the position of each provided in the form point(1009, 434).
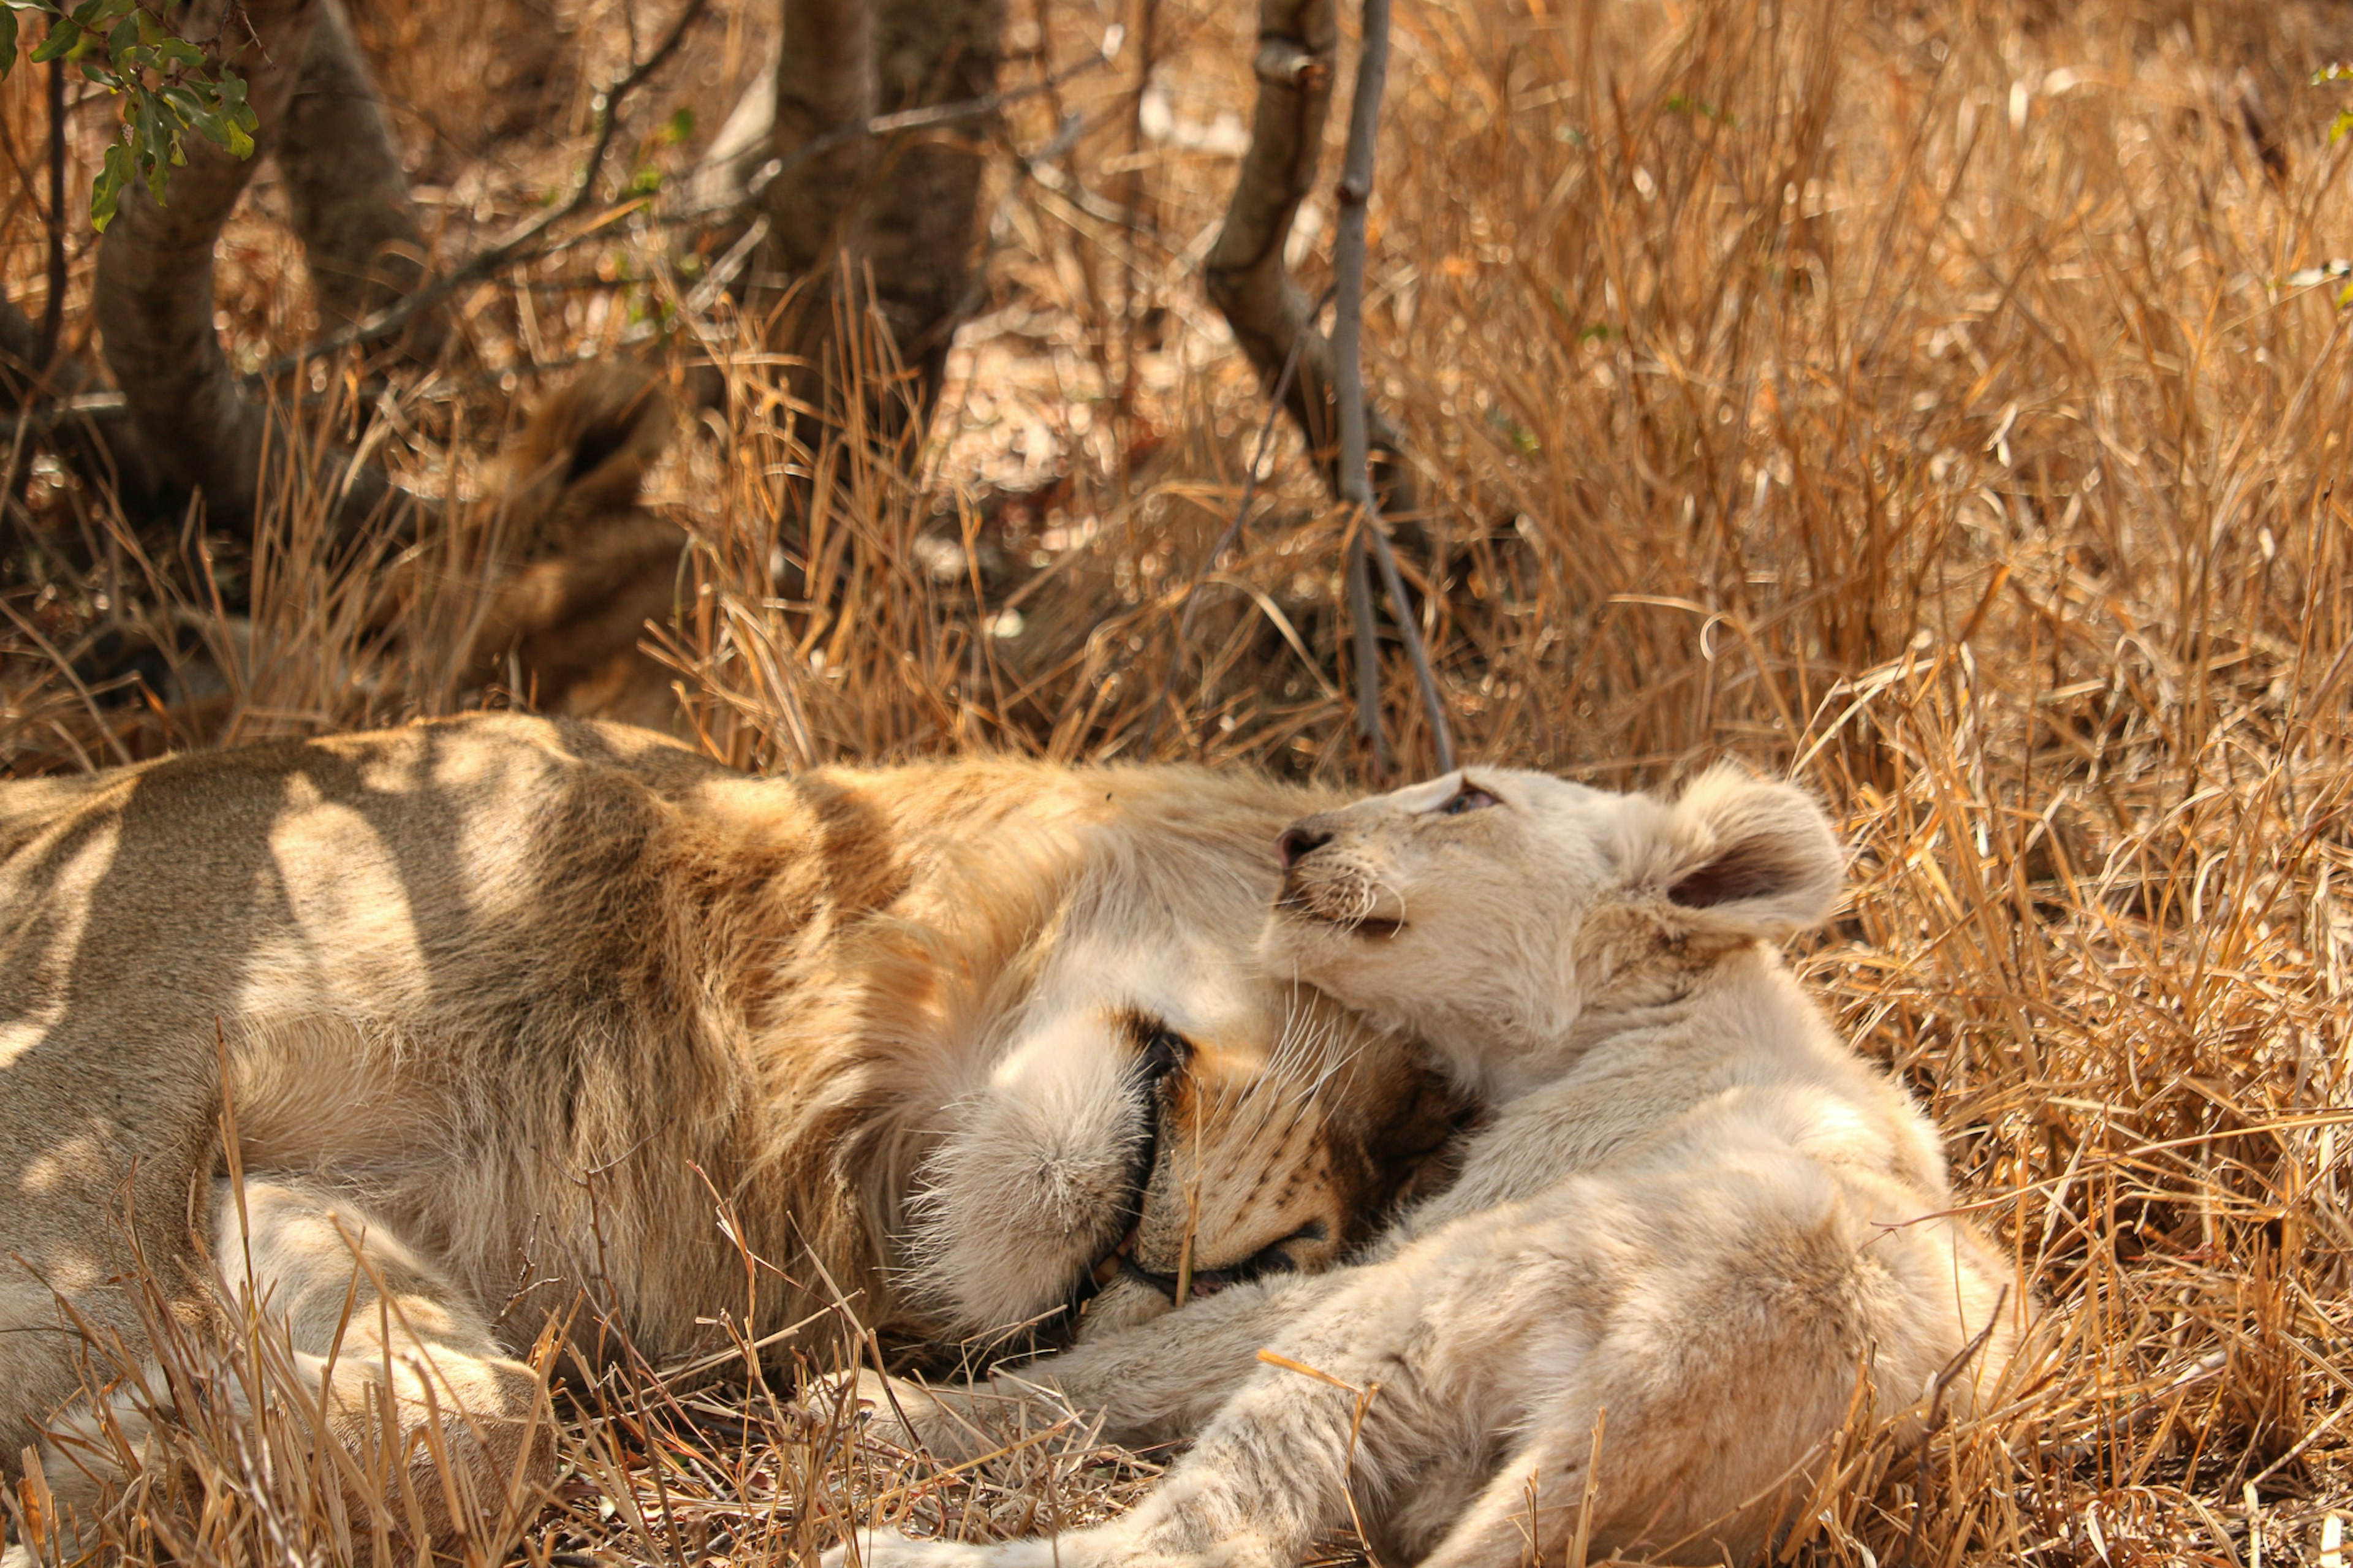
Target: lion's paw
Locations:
point(1113, 1545)
point(889, 1549)
point(952, 1427)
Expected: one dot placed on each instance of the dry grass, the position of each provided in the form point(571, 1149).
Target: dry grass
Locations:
point(1915, 398)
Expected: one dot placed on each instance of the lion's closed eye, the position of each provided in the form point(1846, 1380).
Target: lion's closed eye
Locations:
point(1469, 799)
point(1161, 1050)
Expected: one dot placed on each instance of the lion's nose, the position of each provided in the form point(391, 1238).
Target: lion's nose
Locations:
point(1299, 842)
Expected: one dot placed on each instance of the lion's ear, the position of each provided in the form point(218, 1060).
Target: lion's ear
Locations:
point(1742, 857)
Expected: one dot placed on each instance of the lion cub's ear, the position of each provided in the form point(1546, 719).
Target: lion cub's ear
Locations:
point(1746, 858)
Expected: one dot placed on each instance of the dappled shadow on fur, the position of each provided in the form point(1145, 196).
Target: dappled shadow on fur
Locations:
point(524, 1004)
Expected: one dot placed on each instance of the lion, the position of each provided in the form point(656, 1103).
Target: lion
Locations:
point(1697, 1221)
point(544, 587)
point(427, 1042)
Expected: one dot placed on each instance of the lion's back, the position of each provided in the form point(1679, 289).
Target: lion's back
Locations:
point(401, 875)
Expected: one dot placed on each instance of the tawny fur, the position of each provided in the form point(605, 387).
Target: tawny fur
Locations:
point(523, 1005)
point(584, 568)
point(1698, 1223)
point(572, 567)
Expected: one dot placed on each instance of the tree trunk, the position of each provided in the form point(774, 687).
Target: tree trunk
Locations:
point(920, 220)
point(824, 82)
point(350, 196)
point(154, 300)
point(902, 211)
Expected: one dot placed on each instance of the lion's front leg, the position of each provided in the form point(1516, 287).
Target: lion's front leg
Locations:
point(401, 1366)
point(1273, 1470)
point(1158, 1381)
point(1164, 1379)
point(1123, 1544)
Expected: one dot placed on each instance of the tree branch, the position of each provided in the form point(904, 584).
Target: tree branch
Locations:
point(1245, 275)
point(1355, 476)
point(608, 104)
point(53, 313)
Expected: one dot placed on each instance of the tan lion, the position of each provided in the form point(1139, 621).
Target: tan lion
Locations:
point(522, 1010)
point(1697, 1220)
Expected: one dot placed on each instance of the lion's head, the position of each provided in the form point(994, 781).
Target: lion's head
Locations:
point(1168, 1136)
point(1488, 909)
point(1102, 1096)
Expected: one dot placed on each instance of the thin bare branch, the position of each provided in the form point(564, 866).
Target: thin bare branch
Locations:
point(1364, 635)
point(1354, 480)
point(519, 245)
point(1245, 273)
point(53, 313)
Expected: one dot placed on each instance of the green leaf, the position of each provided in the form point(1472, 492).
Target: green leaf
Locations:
point(150, 139)
point(63, 36)
point(679, 126)
point(212, 128)
point(187, 104)
point(7, 40)
point(231, 90)
point(106, 189)
point(125, 45)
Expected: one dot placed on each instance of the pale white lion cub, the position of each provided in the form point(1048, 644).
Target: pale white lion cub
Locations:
point(1697, 1211)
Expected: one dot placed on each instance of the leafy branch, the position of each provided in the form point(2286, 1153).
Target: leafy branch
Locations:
point(160, 79)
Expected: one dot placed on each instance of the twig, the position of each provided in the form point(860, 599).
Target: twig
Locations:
point(1226, 542)
point(393, 317)
point(607, 103)
point(53, 314)
point(1441, 737)
point(1368, 656)
point(1355, 481)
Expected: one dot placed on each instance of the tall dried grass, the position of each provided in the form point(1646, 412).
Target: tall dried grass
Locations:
point(1925, 399)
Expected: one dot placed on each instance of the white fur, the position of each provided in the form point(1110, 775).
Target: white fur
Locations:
point(1697, 1219)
